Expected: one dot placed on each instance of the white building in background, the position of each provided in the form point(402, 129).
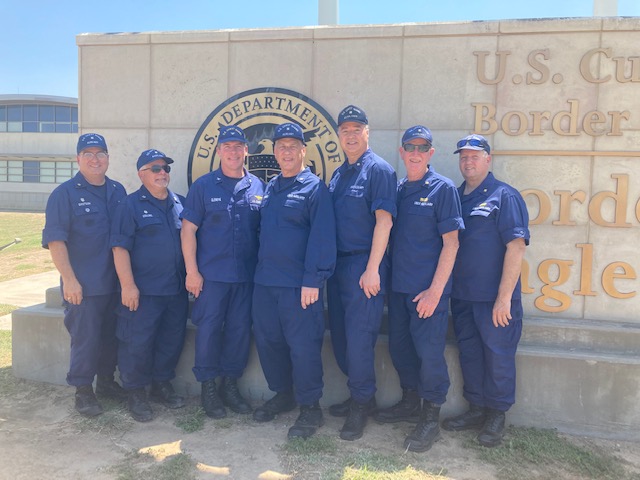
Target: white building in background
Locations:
point(38, 135)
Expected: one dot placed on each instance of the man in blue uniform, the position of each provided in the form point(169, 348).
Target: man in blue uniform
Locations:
point(363, 190)
point(297, 254)
point(424, 242)
point(152, 317)
point(76, 232)
point(220, 247)
point(485, 299)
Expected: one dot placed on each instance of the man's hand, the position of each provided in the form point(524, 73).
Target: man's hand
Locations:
point(427, 301)
point(131, 297)
point(501, 313)
point(308, 296)
point(72, 291)
point(370, 283)
point(194, 283)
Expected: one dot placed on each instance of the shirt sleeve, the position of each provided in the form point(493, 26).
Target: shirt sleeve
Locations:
point(384, 188)
point(513, 218)
point(449, 210)
point(320, 257)
point(123, 227)
point(57, 218)
point(194, 204)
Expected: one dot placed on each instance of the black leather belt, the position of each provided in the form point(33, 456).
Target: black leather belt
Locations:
point(352, 253)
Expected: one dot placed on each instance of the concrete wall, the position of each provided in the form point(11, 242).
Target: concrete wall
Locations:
point(558, 99)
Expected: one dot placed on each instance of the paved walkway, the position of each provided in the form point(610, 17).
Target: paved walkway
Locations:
point(26, 291)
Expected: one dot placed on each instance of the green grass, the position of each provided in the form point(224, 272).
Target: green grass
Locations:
point(26, 257)
point(190, 419)
point(137, 466)
point(536, 453)
point(6, 309)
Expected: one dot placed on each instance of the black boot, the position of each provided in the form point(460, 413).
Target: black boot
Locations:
point(340, 409)
point(107, 387)
point(139, 405)
point(493, 429)
point(308, 422)
point(427, 431)
point(231, 396)
point(86, 402)
point(406, 410)
point(472, 418)
point(357, 419)
point(282, 402)
point(211, 402)
point(164, 393)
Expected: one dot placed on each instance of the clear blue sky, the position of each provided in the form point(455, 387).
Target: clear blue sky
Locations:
point(38, 52)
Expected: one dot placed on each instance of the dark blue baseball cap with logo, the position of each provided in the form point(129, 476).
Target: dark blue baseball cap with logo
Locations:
point(231, 133)
point(417, 131)
point(473, 142)
point(89, 140)
point(288, 130)
point(149, 156)
point(352, 113)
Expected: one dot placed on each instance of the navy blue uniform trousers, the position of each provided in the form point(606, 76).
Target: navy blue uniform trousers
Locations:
point(355, 322)
point(289, 341)
point(222, 313)
point(487, 353)
point(416, 346)
point(94, 348)
point(151, 339)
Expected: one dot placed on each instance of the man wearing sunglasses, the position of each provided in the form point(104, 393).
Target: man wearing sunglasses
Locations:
point(485, 299)
point(152, 316)
point(220, 246)
point(76, 232)
point(424, 242)
point(363, 190)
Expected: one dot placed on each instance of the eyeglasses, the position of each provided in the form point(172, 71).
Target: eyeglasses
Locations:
point(410, 147)
point(157, 168)
point(472, 142)
point(99, 155)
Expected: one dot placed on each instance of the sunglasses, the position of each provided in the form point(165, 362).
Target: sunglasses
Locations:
point(157, 168)
point(472, 142)
point(410, 147)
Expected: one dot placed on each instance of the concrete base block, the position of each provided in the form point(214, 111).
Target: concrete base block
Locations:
point(573, 388)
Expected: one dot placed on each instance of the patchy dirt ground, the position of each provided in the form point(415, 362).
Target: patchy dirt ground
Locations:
point(41, 437)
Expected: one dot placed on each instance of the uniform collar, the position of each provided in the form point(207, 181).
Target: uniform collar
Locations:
point(424, 181)
point(80, 182)
point(302, 177)
point(242, 182)
point(364, 158)
point(481, 189)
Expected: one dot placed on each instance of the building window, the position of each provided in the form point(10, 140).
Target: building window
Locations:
point(35, 171)
point(39, 118)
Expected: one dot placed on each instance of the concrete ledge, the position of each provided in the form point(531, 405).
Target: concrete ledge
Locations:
point(577, 390)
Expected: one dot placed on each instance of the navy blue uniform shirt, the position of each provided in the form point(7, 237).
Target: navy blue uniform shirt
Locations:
point(427, 209)
point(79, 214)
point(358, 190)
point(226, 212)
point(297, 233)
point(494, 214)
point(149, 229)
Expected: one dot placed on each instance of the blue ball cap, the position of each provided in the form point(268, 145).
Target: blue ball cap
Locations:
point(288, 130)
point(473, 142)
point(417, 131)
point(89, 140)
point(352, 113)
point(231, 133)
point(149, 156)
